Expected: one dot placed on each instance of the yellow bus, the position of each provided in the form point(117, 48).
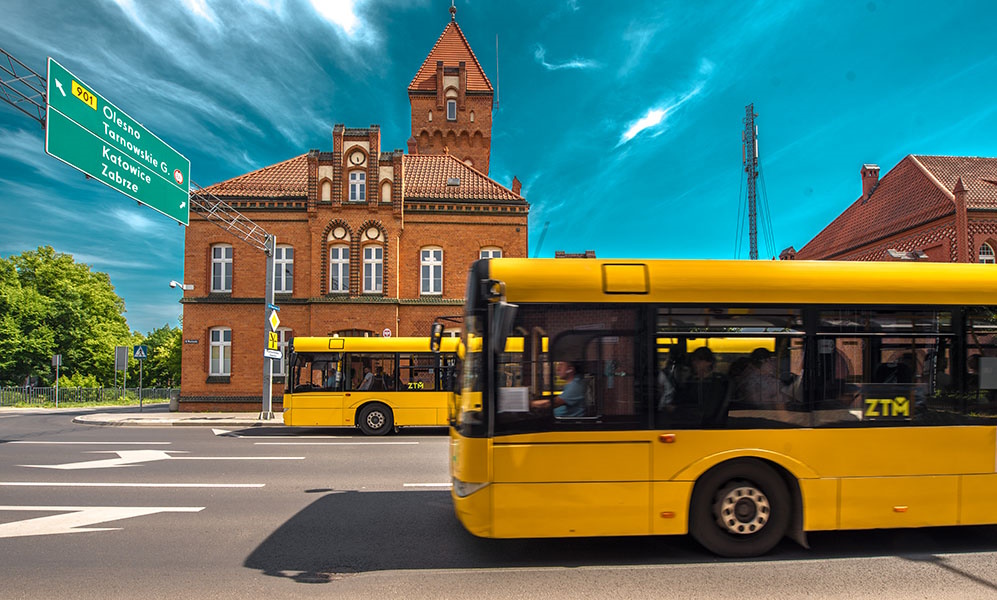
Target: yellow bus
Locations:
point(373, 383)
point(741, 402)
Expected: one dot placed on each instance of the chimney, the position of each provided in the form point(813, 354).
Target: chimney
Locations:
point(870, 179)
point(517, 185)
point(413, 146)
point(963, 252)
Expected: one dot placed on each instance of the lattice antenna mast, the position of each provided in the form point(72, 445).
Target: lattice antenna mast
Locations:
point(22, 88)
point(749, 140)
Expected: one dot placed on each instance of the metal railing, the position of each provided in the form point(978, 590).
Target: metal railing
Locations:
point(10, 396)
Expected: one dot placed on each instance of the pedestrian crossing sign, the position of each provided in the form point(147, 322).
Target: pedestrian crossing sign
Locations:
point(140, 352)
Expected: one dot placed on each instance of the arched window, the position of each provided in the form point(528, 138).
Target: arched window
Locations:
point(325, 193)
point(373, 269)
point(339, 269)
point(358, 186)
point(431, 271)
point(221, 352)
point(491, 252)
point(283, 269)
point(386, 191)
point(986, 254)
point(221, 268)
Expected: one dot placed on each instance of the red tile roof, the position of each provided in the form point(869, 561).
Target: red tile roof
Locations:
point(916, 191)
point(426, 177)
point(451, 48)
point(284, 179)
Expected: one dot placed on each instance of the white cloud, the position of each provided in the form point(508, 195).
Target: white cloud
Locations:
point(201, 9)
point(540, 54)
point(341, 13)
point(651, 118)
point(656, 116)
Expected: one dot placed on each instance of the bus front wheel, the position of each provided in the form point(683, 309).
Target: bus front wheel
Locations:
point(739, 509)
point(375, 419)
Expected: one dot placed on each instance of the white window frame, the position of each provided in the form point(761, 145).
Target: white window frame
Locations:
point(986, 255)
point(283, 344)
point(220, 344)
point(451, 110)
point(431, 271)
point(339, 269)
point(221, 268)
point(358, 186)
point(373, 269)
point(490, 252)
point(283, 269)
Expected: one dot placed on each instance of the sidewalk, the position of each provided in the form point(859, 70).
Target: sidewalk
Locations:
point(155, 416)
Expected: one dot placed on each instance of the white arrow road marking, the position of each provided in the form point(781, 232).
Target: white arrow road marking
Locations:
point(59, 85)
point(74, 519)
point(131, 457)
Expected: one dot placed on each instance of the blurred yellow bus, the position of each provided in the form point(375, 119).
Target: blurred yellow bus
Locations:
point(739, 401)
point(373, 383)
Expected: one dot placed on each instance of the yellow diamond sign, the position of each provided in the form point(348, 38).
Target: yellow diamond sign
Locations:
point(274, 321)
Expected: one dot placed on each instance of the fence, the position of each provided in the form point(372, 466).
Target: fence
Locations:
point(10, 396)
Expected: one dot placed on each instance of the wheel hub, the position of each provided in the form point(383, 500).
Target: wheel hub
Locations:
point(742, 509)
point(375, 420)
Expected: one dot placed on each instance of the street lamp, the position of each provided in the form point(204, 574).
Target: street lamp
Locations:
point(183, 286)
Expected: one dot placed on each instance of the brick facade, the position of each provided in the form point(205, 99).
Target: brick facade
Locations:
point(438, 197)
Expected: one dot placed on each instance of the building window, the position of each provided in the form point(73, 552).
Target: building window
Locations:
point(986, 254)
point(221, 352)
point(373, 269)
point(221, 268)
point(491, 252)
point(339, 269)
point(283, 343)
point(283, 270)
point(451, 110)
point(358, 186)
point(431, 267)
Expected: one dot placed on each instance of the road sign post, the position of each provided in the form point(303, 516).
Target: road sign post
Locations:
point(89, 133)
point(57, 362)
point(141, 353)
point(266, 411)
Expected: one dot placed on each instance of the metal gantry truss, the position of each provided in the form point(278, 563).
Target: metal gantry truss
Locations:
point(22, 87)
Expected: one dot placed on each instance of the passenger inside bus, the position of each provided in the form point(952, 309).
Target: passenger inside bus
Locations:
point(702, 398)
point(757, 385)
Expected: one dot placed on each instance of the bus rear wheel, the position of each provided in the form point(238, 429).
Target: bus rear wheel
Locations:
point(739, 509)
point(375, 419)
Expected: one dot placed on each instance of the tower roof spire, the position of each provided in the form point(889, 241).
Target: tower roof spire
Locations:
point(453, 11)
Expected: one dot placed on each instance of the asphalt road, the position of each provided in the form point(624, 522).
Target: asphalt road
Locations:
point(172, 512)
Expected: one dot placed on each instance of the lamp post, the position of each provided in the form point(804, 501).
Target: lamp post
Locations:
point(175, 404)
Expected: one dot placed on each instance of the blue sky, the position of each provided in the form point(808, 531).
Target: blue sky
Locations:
point(623, 120)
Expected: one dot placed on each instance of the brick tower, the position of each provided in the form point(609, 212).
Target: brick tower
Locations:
point(451, 101)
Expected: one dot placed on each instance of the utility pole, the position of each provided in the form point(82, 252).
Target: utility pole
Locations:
point(749, 139)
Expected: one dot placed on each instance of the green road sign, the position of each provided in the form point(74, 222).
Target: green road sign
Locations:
point(89, 133)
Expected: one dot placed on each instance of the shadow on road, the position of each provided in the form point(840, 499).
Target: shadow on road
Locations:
point(344, 533)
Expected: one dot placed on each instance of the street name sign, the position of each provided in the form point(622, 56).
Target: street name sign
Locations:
point(87, 132)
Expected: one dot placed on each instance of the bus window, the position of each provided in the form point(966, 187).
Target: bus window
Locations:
point(417, 372)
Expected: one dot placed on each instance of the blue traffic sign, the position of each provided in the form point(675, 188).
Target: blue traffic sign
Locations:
point(141, 352)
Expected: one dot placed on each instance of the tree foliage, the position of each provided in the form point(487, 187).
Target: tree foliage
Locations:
point(50, 304)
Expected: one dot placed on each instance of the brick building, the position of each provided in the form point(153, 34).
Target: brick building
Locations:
point(368, 241)
point(936, 208)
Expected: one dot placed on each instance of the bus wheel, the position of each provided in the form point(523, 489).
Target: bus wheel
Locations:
point(739, 508)
point(375, 419)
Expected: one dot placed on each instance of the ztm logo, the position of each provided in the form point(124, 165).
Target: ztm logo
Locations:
point(178, 176)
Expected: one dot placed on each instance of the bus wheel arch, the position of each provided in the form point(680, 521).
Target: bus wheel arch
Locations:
point(375, 418)
point(743, 507)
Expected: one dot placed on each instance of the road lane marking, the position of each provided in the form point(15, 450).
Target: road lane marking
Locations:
point(74, 519)
point(94, 443)
point(428, 485)
point(131, 457)
point(138, 485)
point(336, 443)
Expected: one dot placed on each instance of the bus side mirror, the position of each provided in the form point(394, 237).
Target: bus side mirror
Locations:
point(435, 337)
point(503, 317)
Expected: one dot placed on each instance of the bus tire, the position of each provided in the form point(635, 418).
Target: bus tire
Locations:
point(375, 419)
point(739, 509)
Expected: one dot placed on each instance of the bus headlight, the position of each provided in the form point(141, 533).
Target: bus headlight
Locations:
point(464, 489)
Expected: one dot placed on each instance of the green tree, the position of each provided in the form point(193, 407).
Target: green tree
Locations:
point(162, 367)
point(50, 304)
